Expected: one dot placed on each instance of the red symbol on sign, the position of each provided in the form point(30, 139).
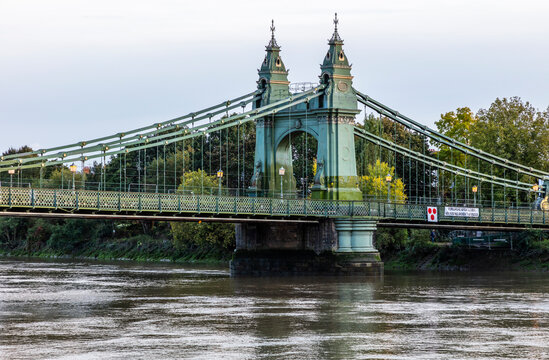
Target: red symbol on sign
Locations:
point(432, 214)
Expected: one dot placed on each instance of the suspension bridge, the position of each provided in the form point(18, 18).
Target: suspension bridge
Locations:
point(293, 164)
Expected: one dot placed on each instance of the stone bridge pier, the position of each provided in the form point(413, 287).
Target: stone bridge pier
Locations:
point(330, 247)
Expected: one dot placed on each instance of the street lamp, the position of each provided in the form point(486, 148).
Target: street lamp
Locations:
point(475, 189)
point(73, 171)
point(281, 173)
point(388, 178)
point(11, 172)
point(219, 176)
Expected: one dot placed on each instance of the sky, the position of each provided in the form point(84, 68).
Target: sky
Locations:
point(72, 70)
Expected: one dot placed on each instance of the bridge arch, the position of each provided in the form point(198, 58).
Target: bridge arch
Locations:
point(296, 151)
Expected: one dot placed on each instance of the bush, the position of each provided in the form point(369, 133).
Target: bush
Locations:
point(391, 240)
point(203, 235)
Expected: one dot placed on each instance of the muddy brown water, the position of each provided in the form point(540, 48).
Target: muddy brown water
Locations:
point(90, 310)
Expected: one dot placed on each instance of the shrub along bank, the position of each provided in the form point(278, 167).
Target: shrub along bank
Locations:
point(208, 242)
point(413, 250)
point(110, 240)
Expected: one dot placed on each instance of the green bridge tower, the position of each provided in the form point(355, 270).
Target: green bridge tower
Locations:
point(334, 246)
point(329, 118)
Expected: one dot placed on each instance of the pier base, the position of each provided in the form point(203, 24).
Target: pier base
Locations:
point(332, 247)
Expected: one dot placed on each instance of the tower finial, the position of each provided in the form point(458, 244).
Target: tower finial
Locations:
point(272, 43)
point(335, 36)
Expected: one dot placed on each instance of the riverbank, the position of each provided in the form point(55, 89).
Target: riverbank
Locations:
point(208, 243)
point(456, 258)
point(140, 248)
point(432, 258)
point(120, 240)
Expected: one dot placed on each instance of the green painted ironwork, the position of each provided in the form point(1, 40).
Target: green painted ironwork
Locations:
point(329, 118)
point(12, 199)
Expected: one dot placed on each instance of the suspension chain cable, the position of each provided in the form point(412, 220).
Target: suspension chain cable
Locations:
point(202, 163)
point(145, 170)
point(164, 163)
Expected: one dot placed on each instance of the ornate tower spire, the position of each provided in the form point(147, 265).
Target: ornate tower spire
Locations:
point(335, 62)
point(272, 43)
point(273, 75)
point(335, 37)
point(336, 74)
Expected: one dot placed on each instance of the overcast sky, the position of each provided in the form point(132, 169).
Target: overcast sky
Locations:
point(77, 69)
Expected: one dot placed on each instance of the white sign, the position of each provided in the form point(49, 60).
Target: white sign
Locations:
point(432, 215)
point(461, 212)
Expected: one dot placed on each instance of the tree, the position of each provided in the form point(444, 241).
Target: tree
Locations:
point(457, 125)
point(198, 234)
point(21, 150)
point(375, 183)
point(304, 150)
point(62, 178)
point(23, 176)
point(510, 129)
point(414, 174)
point(231, 149)
point(514, 130)
point(198, 182)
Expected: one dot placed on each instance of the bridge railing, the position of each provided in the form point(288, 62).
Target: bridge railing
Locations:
point(134, 202)
point(153, 187)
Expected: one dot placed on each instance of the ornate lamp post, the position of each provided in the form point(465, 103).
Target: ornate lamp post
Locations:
point(388, 179)
point(11, 172)
point(73, 171)
point(475, 189)
point(281, 173)
point(219, 176)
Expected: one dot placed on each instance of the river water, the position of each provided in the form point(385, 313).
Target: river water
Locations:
point(90, 310)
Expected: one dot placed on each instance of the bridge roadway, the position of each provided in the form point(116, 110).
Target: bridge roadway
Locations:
point(30, 202)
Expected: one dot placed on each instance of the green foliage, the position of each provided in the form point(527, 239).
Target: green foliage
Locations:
point(12, 230)
point(460, 126)
point(22, 149)
point(199, 182)
point(375, 183)
point(62, 178)
point(201, 235)
point(24, 176)
point(404, 248)
point(304, 150)
point(73, 233)
point(38, 233)
point(391, 240)
point(232, 149)
point(509, 128)
point(367, 153)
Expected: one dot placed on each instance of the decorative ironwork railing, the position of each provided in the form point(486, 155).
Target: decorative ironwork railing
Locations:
point(107, 201)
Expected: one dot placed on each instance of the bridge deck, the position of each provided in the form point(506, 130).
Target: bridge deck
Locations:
point(147, 204)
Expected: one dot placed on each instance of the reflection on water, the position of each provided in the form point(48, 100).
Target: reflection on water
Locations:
point(78, 310)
